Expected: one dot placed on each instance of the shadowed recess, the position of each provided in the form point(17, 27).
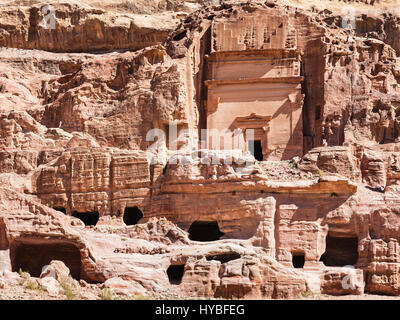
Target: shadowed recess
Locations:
point(132, 215)
point(298, 260)
point(175, 273)
point(205, 231)
point(256, 149)
point(88, 218)
point(32, 256)
point(61, 209)
point(340, 251)
point(224, 257)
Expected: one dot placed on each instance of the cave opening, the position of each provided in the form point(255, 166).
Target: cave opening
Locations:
point(61, 209)
point(340, 251)
point(298, 260)
point(224, 257)
point(255, 149)
point(88, 218)
point(132, 215)
point(175, 273)
point(205, 231)
point(179, 36)
point(32, 256)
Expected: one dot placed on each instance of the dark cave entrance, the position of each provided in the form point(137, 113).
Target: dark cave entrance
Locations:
point(340, 251)
point(88, 218)
point(132, 215)
point(255, 149)
point(61, 209)
point(175, 273)
point(204, 231)
point(298, 260)
point(179, 36)
point(224, 257)
point(32, 256)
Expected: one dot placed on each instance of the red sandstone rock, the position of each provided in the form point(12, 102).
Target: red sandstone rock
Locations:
point(77, 185)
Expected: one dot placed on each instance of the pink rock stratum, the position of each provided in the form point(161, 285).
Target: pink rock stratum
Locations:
point(116, 179)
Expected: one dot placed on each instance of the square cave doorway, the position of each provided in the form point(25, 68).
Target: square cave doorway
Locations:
point(340, 251)
point(205, 231)
point(33, 255)
point(298, 259)
point(255, 148)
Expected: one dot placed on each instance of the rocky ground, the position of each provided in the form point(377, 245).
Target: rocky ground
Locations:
point(31, 289)
point(55, 283)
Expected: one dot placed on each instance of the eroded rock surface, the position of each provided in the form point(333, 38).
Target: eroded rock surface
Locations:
point(313, 207)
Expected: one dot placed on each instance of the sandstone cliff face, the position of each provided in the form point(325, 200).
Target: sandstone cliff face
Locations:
point(79, 170)
point(72, 28)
